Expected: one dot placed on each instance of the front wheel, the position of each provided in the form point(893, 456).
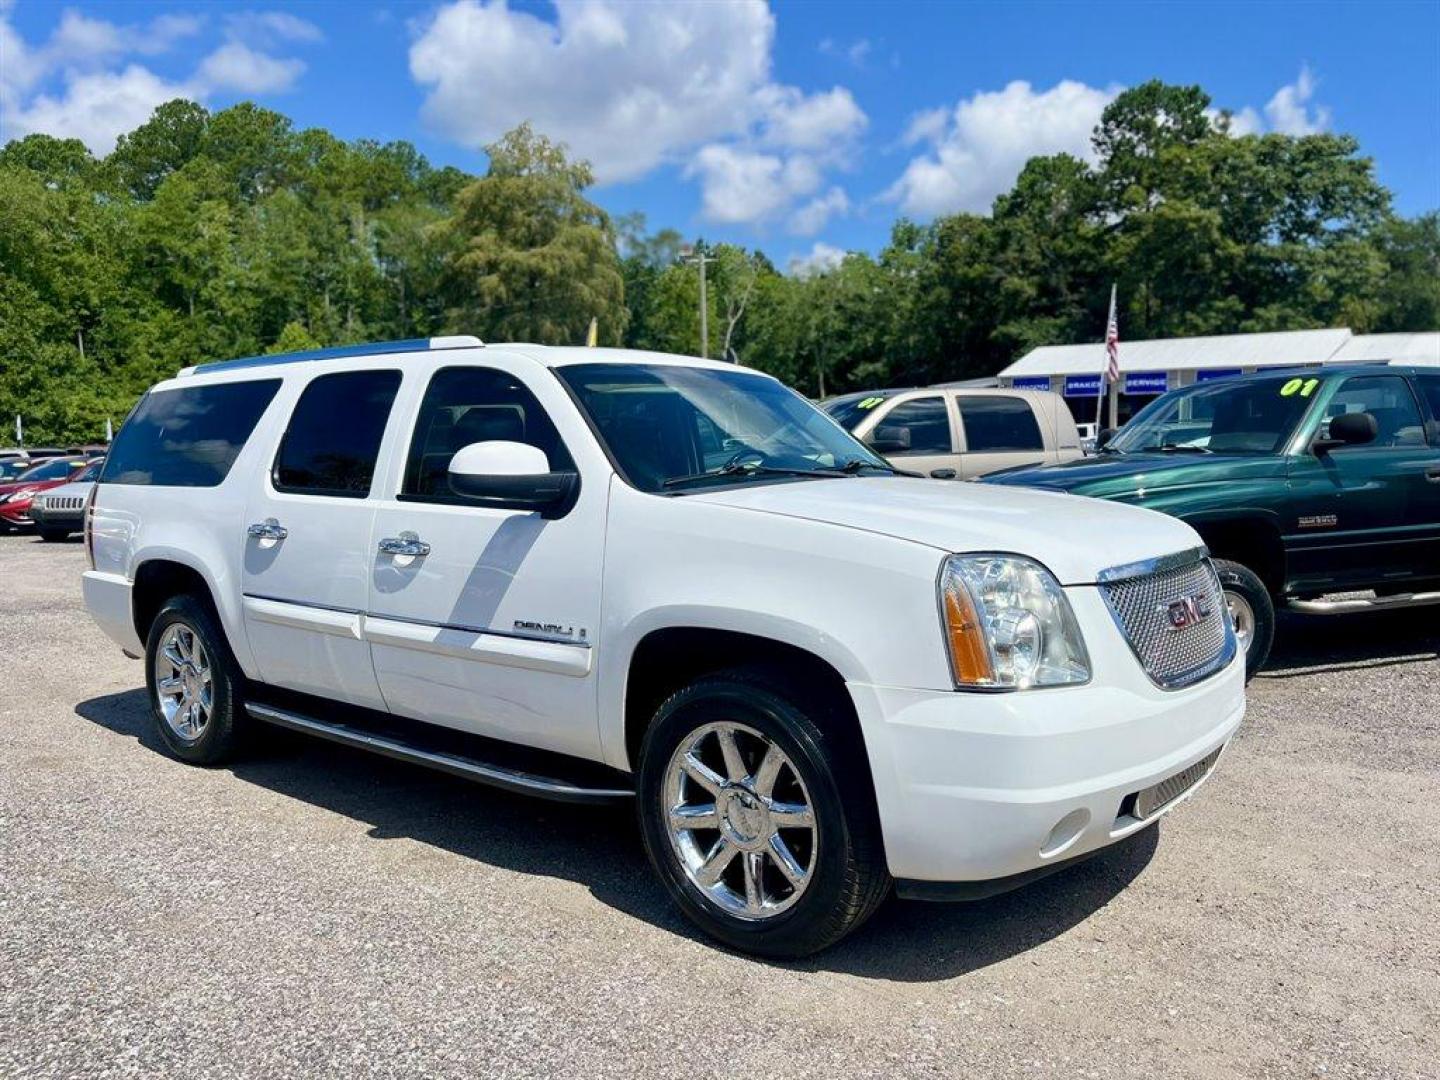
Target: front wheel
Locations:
point(54, 536)
point(1251, 610)
point(759, 817)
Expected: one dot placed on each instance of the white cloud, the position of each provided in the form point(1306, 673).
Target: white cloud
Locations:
point(816, 214)
point(237, 67)
point(856, 52)
point(926, 126)
point(630, 87)
point(1289, 110)
point(981, 147)
point(820, 259)
point(72, 85)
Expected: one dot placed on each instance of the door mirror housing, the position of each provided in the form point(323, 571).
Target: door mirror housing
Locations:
point(511, 476)
point(1348, 429)
point(1103, 439)
point(889, 440)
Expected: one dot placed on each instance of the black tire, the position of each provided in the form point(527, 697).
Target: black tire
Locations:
point(225, 728)
point(1246, 585)
point(848, 879)
point(54, 536)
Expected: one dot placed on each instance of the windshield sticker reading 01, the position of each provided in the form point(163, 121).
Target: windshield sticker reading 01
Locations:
point(1303, 387)
point(869, 403)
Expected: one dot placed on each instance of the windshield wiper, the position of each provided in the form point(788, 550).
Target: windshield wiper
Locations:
point(856, 465)
point(1180, 448)
point(748, 468)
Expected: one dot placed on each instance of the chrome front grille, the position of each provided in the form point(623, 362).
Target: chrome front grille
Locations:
point(1152, 800)
point(1172, 612)
point(63, 502)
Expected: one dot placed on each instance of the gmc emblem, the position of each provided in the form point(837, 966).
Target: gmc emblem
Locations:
point(1187, 611)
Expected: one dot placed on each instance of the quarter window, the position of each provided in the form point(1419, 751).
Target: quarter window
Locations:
point(334, 435)
point(1388, 399)
point(187, 437)
point(465, 405)
point(999, 424)
point(928, 422)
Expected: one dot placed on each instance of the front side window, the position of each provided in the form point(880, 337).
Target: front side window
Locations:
point(998, 424)
point(1249, 416)
point(189, 436)
point(669, 427)
point(334, 435)
point(1388, 399)
point(465, 405)
point(924, 422)
point(1430, 388)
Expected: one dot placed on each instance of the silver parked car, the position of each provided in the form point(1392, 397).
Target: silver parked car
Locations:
point(59, 512)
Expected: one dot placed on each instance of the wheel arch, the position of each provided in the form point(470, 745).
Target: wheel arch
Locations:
point(1254, 540)
point(160, 574)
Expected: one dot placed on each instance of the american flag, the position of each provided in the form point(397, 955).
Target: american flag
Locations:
point(1112, 343)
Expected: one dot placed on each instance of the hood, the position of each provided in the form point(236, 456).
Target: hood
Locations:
point(80, 488)
point(38, 485)
point(1074, 538)
point(1123, 474)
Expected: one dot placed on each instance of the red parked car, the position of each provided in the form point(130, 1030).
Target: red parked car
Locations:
point(17, 494)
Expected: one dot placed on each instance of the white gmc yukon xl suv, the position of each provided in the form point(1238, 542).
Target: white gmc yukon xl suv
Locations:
point(604, 576)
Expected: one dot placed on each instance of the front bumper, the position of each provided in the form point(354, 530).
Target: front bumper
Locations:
point(977, 787)
point(45, 518)
point(16, 515)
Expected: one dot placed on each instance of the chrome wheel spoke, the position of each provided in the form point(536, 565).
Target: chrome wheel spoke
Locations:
point(734, 764)
point(715, 863)
point(171, 684)
point(786, 861)
point(694, 817)
point(754, 881)
point(768, 771)
point(792, 815)
point(702, 774)
point(171, 652)
point(184, 682)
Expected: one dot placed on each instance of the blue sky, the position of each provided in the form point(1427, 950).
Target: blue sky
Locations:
point(803, 128)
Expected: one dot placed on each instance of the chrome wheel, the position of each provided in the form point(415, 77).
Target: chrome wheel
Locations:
point(184, 682)
point(1242, 617)
point(740, 820)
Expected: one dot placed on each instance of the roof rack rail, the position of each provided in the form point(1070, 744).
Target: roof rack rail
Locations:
point(372, 348)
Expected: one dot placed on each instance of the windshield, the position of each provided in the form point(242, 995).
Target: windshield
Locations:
point(9, 470)
point(1249, 416)
point(54, 469)
point(670, 427)
point(849, 410)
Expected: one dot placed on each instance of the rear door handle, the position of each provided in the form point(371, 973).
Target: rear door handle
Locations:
point(269, 529)
point(407, 543)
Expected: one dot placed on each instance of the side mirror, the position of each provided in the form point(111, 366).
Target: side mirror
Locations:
point(1103, 439)
point(510, 476)
point(942, 474)
point(1348, 429)
point(889, 440)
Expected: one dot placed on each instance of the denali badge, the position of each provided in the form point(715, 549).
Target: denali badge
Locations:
point(1187, 611)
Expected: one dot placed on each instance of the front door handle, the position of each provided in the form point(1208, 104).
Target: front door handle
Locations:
point(407, 543)
point(1433, 475)
point(269, 529)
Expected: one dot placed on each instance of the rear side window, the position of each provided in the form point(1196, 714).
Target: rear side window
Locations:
point(465, 405)
point(187, 437)
point(334, 435)
point(1430, 388)
point(926, 419)
point(999, 424)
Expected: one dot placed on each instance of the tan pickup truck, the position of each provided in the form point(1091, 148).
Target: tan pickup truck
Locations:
point(955, 433)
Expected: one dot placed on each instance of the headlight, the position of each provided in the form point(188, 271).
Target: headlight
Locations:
point(1008, 625)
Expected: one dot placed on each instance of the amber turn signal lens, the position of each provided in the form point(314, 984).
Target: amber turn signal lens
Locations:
point(969, 655)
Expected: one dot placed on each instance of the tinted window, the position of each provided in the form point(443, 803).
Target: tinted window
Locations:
point(1430, 389)
point(334, 435)
point(187, 437)
point(54, 469)
point(928, 421)
point(89, 473)
point(999, 423)
point(1389, 400)
point(465, 405)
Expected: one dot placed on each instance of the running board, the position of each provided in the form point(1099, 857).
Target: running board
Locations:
point(524, 783)
point(1376, 603)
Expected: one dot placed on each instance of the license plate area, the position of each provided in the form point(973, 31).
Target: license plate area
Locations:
point(1147, 802)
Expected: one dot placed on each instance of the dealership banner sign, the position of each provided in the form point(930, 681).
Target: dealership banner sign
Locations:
point(1032, 382)
point(1206, 374)
point(1145, 382)
point(1082, 385)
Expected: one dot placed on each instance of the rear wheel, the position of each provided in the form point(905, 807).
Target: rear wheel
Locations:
point(192, 680)
point(759, 817)
point(1251, 610)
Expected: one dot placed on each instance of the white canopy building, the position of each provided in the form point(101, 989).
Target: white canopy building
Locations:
point(1149, 368)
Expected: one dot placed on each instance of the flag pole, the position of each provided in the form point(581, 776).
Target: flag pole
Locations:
point(1111, 371)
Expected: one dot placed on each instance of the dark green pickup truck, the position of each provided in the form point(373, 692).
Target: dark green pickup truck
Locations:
point(1315, 489)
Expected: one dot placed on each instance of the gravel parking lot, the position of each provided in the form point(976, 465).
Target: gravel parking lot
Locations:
point(316, 911)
